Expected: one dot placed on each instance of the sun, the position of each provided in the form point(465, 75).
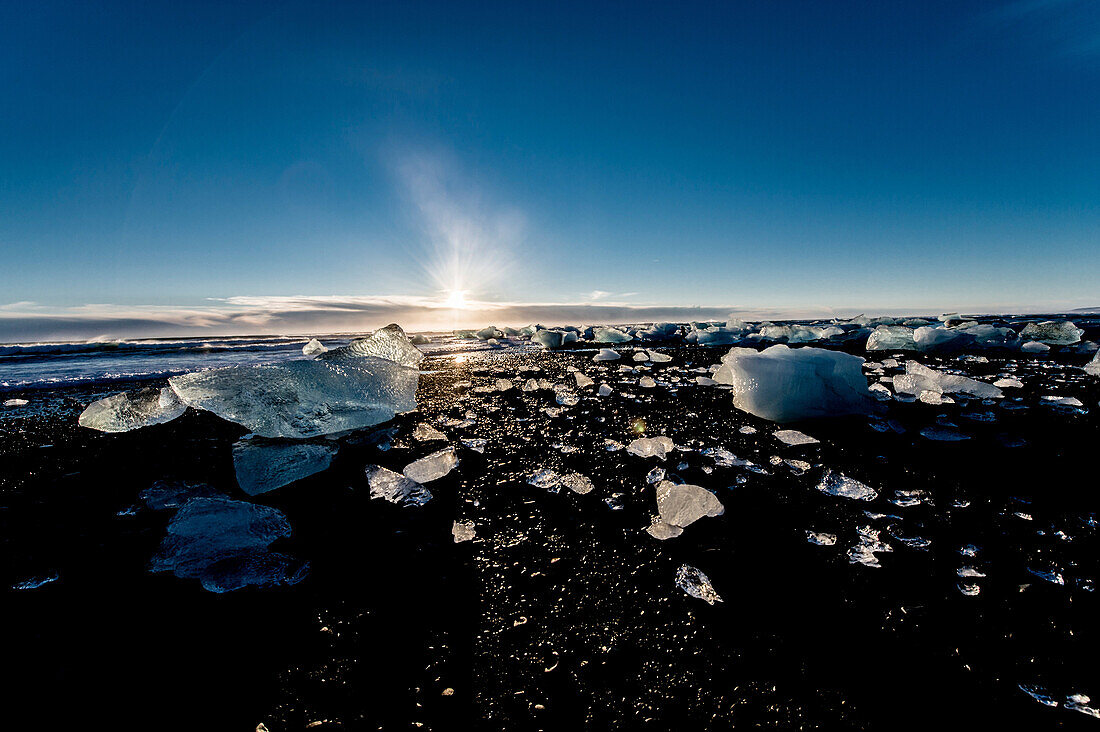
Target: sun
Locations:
point(456, 300)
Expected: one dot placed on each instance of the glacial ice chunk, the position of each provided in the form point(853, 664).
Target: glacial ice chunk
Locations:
point(263, 465)
point(784, 384)
point(835, 484)
point(918, 378)
point(1092, 368)
point(577, 483)
point(336, 392)
point(424, 432)
point(681, 505)
point(389, 343)
point(1052, 332)
point(794, 437)
point(223, 543)
point(132, 410)
point(1034, 347)
point(491, 332)
point(313, 347)
point(891, 338)
point(611, 335)
point(549, 338)
point(166, 494)
point(432, 467)
point(395, 487)
point(463, 531)
point(582, 380)
point(15, 403)
point(941, 339)
point(606, 354)
point(651, 447)
point(695, 583)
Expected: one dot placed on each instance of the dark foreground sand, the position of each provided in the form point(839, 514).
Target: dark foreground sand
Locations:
point(563, 614)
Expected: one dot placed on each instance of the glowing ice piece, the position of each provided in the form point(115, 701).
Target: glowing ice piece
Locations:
point(132, 410)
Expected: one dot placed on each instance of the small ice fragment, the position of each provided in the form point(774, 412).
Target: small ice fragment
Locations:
point(647, 382)
point(820, 538)
point(313, 347)
point(463, 531)
point(546, 479)
point(705, 381)
point(582, 380)
point(477, 444)
point(1008, 382)
point(655, 476)
point(640, 356)
point(132, 410)
point(606, 354)
point(432, 467)
point(503, 384)
point(1034, 347)
point(1039, 694)
point(605, 390)
point(695, 583)
point(836, 484)
point(577, 483)
point(424, 432)
point(651, 446)
point(918, 378)
point(747, 430)
point(1080, 703)
point(395, 487)
point(656, 357)
point(35, 582)
point(794, 437)
point(1051, 576)
point(1092, 368)
point(15, 402)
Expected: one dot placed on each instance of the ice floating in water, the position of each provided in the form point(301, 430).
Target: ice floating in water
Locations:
point(1008, 382)
point(680, 506)
point(836, 484)
point(918, 378)
point(132, 410)
point(606, 354)
point(463, 531)
point(15, 402)
point(794, 437)
point(223, 543)
point(1052, 332)
point(313, 347)
point(395, 488)
point(432, 467)
point(651, 446)
point(362, 384)
point(263, 465)
point(891, 338)
point(695, 583)
point(784, 384)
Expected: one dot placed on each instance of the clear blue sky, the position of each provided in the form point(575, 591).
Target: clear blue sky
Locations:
point(159, 157)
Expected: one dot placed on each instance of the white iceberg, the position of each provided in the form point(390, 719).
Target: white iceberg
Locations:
point(606, 354)
point(783, 384)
